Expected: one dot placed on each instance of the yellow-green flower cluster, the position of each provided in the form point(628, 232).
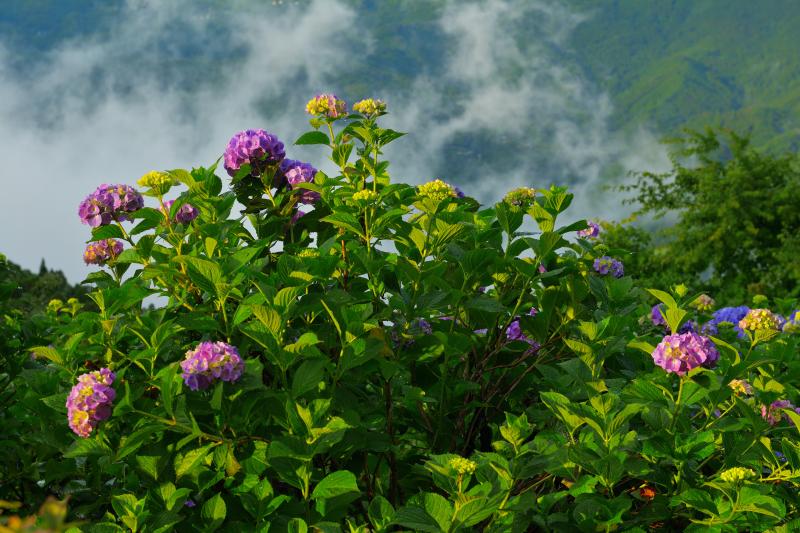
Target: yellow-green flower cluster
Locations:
point(370, 106)
point(703, 303)
point(740, 386)
point(737, 474)
point(522, 197)
point(463, 466)
point(437, 190)
point(365, 196)
point(760, 319)
point(328, 105)
point(159, 182)
point(308, 252)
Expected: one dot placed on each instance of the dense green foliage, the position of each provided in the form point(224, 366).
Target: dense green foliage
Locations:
point(351, 415)
point(738, 211)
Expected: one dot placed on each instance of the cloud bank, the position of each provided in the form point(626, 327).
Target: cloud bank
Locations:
point(135, 98)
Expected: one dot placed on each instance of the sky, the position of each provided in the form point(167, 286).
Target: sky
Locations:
point(111, 105)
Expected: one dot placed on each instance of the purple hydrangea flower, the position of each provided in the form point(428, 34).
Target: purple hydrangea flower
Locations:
point(109, 203)
point(459, 192)
point(256, 148)
point(101, 252)
point(514, 333)
point(591, 232)
point(298, 172)
point(189, 503)
point(186, 212)
point(90, 400)
point(605, 265)
point(688, 326)
point(542, 269)
point(773, 414)
point(424, 326)
point(211, 361)
point(657, 315)
point(681, 352)
point(731, 315)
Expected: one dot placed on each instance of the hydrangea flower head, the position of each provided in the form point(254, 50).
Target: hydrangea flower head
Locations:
point(89, 401)
point(437, 190)
point(514, 333)
point(462, 465)
point(737, 474)
point(327, 105)
point(657, 315)
point(101, 252)
point(109, 203)
point(704, 302)
point(298, 172)
point(365, 196)
point(741, 386)
point(681, 352)
point(209, 362)
point(792, 324)
point(256, 148)
point(726, 315)
point(760, 319)
point(522, 197)
point(772, 413)
point(605, 265)
point(186, 212)
point(370, 106)
point(159, 182)
point(591, 232)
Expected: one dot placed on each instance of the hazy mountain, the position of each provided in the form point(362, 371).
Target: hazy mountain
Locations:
point(496, 94)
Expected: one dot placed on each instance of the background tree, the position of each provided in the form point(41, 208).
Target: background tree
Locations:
point(738, 213)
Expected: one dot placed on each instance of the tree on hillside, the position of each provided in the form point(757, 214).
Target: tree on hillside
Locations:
point(738, 209)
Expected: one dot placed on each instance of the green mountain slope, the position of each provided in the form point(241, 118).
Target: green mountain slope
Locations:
point(697, 62)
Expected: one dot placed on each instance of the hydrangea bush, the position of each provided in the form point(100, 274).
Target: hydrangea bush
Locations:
point(389, 358)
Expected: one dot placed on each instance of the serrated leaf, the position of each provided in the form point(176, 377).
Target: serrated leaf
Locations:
point(313, 137)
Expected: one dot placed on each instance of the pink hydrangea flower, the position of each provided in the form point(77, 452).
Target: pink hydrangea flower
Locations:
point(209, 362)
point(90, 400)
point(681, 352)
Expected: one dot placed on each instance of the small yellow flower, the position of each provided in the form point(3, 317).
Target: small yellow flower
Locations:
point(308, 252)
point(55, 305)
point(740, 386)
point(760, 319)
point(326, 105)
point(704, 302)
point(365, 196)
point(437, 190)
point(463, 466)
point(159, 182)
point(370, 107)
point(737, 474)
point(522, 197)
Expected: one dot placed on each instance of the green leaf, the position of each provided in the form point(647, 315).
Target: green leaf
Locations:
point(425, 512)
point(186, 462)
point(346, 221)
point(109, 231)
point(49, 353)
point(308, 376)
point(380, 512)
point(297, 525)
point(313, 137)
point(132, 442)
point(755, 502)
point(213, 512)
point(86, 447)
point(335, 484)
point(203, 273)
point(664, 297)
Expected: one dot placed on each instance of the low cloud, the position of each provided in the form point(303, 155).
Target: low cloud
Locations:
point(107, 108)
